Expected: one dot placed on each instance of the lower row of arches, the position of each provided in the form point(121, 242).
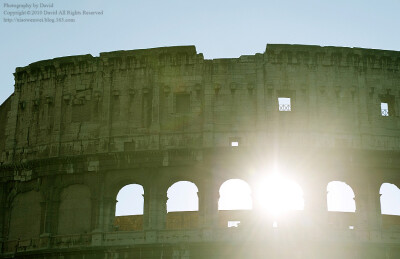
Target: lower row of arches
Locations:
point(74, 210)
point(236, 194)
point(29, 212)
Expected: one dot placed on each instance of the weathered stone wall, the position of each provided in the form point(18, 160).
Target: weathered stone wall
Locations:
point(25, 216)
point(75, 210)
point(4, 110)
point(127, 100)
point(77, 129)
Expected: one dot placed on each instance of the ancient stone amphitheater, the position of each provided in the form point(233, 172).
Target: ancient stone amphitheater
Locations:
point(77, 129)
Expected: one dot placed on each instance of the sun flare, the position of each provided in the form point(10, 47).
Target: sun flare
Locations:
point(277, 194)
point(235, 194)
point(273, 195)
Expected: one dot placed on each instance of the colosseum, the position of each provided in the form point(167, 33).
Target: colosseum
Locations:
point(78, 129)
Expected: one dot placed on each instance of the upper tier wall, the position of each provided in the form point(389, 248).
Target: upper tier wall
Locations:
point(172, 97)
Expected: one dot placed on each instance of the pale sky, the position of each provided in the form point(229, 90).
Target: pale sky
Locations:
point(218, 29)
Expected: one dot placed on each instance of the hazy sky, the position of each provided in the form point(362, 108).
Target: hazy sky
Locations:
point(217, 28)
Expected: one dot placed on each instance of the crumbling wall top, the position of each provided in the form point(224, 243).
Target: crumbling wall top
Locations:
point(331, 49)
point(188, 50)
point(56, 61)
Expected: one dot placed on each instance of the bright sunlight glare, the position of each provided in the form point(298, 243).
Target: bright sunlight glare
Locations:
point(340, 197)
point(235, 194)
point(277, 194)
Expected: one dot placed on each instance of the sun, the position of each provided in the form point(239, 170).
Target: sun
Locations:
point(274, 195)
point(277, 194)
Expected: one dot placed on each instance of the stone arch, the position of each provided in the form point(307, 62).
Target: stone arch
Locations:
point(130, 200)
point(182, 196)
point(74, 215)
point(119, 179)
point(340, 197)
point(128, 211)
point(235, 194)
point(25, 217)
point(390, 199)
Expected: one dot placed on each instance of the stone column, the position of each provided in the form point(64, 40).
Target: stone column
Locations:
point(55, 136)
point(107, 210)
point(49, 207)
point(97, 200)
point(155, 209)
point(361, 194)
point(95, 214)
point(155, 110)
point(260, 95)
point(208, 209)
point(368, 210)
point(368, 207)
point(374, 207)
point(208, 116)
point(105, 121)
point(49, 220)
point(103, 215)
point(315, 203)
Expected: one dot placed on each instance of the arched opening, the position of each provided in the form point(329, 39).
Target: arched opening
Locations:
point(340, 197)
point(341, 204)
point(235, 194)
point(182, 196)
point(234, 203)
point(75, 210)
point(390, 199)
point(129, 208)
point(277, 194)
point(22, 226)
point(130, 200)
point(182, 206)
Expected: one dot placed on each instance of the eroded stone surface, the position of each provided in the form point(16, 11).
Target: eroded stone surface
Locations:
point(77, 129)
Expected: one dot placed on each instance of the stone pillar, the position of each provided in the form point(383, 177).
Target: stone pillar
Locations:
point(105, 121)
point(103, 211)
point(361, 194)
point(155, 108)
point(49, 220)
point(315, 203)
point(44, 220)
point(260, 94)
point(368, 207)
point(208, 204)
point(55, 136)
point(97, 208)
point(107, 210)
point(155, 209)
point(208, 115)
point(374, 207)
point(95, 214)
